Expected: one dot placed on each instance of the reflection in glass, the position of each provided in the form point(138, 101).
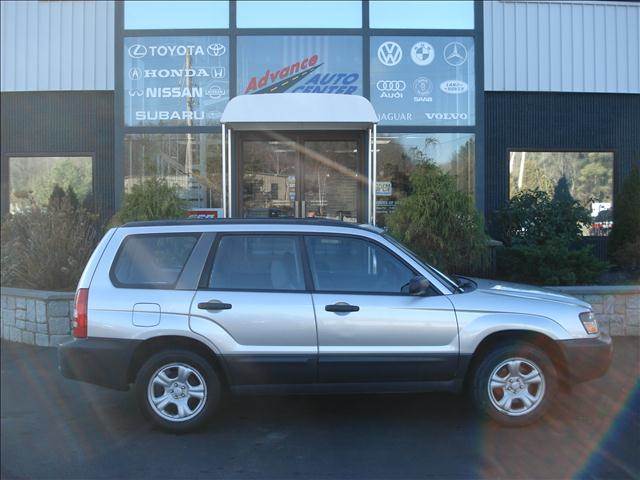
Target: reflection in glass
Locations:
point(398, 153)
point(299, 14)
point(590, 177)
point(158, 14)
point(192, 162)
point(421, 14)
point(269, 178)
point(32, 179)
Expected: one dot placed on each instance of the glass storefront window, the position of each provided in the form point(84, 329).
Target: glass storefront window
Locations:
point(158, 14)
point(299, 14)
point(423, 80)
point(421, 14)
point(175, 81)
point(192, 162)
point(590, 177)
point(300, 64)
point(32, 179)
point(398, 153)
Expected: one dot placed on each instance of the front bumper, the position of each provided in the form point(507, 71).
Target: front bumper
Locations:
point(101, 361)
point(587, 358)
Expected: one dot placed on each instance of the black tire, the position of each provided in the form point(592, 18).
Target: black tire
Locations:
point(479, 385)
point(196, 363)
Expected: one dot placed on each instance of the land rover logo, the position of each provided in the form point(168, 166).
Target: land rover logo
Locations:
point(137, 51)
point(389, 54)
point(216, 49)
point(454, 87)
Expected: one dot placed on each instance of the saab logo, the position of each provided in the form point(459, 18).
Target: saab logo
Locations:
point(135, 73)
point(168, 115)
point(396, 116)
point(455, 54)
point(454, 87)
point(391, 88)
point(216, 49)
point(136, 93)
point(178, 72)
point(389, 54)
point(137, 51)
point(422, 53)
point(447, 116)
point(422, 87)
point(215, 92)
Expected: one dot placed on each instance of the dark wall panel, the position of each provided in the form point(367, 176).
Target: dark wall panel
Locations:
point(61, 123)
point(557, 121)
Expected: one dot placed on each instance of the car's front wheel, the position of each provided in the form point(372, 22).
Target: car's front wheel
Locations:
point(514, 384)
point(178, 390)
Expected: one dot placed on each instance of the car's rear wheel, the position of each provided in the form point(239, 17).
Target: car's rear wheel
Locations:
point(178, 390)
point(514, 384)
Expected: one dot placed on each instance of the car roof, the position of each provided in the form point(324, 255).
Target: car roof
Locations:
point(314, 222)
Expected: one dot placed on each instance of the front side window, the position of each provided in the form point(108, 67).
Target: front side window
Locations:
point(32, 180)
point(347, 264)
point(257, 262)
point(589, 175)
point(152, 261)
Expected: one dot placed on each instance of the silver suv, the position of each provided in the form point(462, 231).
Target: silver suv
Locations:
point(185, 310)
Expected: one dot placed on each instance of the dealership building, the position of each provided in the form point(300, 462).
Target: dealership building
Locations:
point(227, 101)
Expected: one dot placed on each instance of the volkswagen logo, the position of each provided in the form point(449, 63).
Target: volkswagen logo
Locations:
point(391, 85)
point(455, 54)
point(389, 54)
point(422, 53)
point(137, 51)
point(216, 49)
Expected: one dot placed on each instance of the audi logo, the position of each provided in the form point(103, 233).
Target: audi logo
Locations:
point(391, 85)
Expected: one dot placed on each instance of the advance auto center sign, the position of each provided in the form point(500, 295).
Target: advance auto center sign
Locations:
point(175, 81)
point(297, 64)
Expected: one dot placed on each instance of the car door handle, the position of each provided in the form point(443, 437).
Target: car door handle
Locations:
point(341, 307)
point(214, 306)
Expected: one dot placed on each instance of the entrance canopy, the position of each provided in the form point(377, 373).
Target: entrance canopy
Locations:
point(299, 111)
point(295, 112)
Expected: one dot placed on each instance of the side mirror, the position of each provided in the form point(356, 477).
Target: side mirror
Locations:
point(418, 286)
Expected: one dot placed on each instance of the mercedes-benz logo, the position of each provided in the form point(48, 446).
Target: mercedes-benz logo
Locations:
point(455, 54)
point(389, 54)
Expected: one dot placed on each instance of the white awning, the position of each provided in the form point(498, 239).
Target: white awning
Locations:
point(299, 111)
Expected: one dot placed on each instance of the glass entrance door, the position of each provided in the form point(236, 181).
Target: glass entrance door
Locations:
point(308, 174)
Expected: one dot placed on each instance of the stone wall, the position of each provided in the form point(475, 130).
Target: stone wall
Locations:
point(36, 317)
point(616, 308)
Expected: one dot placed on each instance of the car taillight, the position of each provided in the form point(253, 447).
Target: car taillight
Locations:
point(80, 319)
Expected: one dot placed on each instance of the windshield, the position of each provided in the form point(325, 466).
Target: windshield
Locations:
point(447, 281)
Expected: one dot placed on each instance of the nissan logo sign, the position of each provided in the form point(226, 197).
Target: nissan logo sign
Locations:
point(391, 85)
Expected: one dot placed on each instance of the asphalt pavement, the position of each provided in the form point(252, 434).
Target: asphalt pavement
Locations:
point(52, 427)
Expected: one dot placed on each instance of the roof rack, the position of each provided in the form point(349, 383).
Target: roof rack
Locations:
point(243, 221)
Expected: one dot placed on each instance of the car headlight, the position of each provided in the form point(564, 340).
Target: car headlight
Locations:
point(589, 322)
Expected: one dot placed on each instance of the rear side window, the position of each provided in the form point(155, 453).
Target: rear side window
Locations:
point(257, 262)
point(152, 261)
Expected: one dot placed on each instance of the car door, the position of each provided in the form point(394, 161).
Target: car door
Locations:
point(369, 328)
point(254, 305)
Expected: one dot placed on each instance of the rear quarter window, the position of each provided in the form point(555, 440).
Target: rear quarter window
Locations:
point(152, 260)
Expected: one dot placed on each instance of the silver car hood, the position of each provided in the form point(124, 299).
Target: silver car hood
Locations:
point(530, 292)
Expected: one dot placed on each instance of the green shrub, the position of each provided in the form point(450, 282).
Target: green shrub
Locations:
point(624, 239)
point(47, 248)
point(439, 222)
point(541, 237)
point(153, 199)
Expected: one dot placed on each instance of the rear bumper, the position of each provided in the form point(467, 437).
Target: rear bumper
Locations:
point(587, 358)
point(101, 361)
